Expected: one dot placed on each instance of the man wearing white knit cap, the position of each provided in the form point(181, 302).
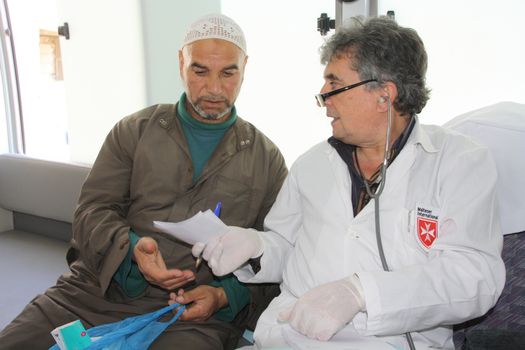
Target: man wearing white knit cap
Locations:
point(167, 162)
point(212, 38)
point(216, 26)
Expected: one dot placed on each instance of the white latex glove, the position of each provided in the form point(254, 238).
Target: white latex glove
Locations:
point(229, 251)
point(324, 310)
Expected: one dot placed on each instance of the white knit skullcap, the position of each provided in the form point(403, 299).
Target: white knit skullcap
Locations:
point(216, 26)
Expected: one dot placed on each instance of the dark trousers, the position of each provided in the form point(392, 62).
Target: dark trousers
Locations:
point(31, 330)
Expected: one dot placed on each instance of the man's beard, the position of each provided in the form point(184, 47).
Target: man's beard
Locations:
point(208, 116)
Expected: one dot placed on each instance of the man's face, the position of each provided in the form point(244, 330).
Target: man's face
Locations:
point(355, 118)
point(212, 71)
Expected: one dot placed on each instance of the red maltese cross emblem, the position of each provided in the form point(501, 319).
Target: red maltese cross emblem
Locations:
point(427, 231)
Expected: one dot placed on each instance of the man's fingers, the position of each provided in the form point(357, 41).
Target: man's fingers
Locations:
point(185, 297)
point(161, 275)
point(147, 245)
point(170, 279)
point(160, 261)
point(153, 267)
point(197, 249)
point(192, 314)
point(172, 298)
point(179, 281)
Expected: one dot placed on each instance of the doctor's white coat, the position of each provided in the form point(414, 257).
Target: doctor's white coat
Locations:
point(440, 232)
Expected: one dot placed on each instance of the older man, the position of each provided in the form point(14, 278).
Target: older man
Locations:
point(385, 235)
point(167, 162)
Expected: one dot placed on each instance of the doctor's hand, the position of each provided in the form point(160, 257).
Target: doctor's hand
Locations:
point(323, 311)
point(203, 302)
point(151, 264)
point(229, 251)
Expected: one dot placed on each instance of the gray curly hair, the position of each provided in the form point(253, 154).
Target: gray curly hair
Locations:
point(378, 48)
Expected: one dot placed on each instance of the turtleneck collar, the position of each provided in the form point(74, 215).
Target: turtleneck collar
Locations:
point(187, 119)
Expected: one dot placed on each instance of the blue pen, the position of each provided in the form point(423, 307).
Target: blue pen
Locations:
point(217, 212)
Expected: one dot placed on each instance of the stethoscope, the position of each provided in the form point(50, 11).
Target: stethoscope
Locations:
point(375, 196)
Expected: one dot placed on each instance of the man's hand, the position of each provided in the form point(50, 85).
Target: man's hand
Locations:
point(204, 302)
point(229, 251)
point(324, 310)
point(152, 265)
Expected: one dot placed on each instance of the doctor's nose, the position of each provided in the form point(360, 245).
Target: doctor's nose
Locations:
point(325, 88)
point(321, 98)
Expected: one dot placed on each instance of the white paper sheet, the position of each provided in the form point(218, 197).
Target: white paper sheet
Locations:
point(199, 228)
point(345, 339)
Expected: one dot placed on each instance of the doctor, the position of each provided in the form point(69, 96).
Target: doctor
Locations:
point(437, 221)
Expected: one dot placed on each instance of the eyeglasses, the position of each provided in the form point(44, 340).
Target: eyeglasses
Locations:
point(321, 98)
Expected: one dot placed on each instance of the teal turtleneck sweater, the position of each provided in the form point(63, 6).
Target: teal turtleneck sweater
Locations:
point(202, 140)
point(202, 137)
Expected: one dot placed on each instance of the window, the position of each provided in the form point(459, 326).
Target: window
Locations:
point(50, 55)
point(73, 91)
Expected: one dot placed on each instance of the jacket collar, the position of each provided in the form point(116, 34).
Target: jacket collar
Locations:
point(420, 136)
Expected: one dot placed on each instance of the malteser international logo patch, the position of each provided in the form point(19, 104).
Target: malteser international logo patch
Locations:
point(426, 226)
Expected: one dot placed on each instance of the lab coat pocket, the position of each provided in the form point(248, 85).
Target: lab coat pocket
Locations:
point(409, 252)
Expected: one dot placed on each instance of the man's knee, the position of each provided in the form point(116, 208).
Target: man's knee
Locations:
point(31, 329)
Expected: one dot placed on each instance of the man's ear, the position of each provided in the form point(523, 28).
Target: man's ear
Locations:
point(387, 94)
point(181, 62)
point(244, 67)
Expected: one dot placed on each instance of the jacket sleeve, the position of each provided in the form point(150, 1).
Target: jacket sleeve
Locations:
point(281, 226)
point(464, 274)
point(238, 297)
point(100, 228)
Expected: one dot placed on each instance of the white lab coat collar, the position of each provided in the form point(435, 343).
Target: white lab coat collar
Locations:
point(420, 136)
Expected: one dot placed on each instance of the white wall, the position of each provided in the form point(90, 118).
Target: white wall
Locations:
point(164, 24)
point(103, 68)
point(475, 50)
point(283, 72)
point(128, 60)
